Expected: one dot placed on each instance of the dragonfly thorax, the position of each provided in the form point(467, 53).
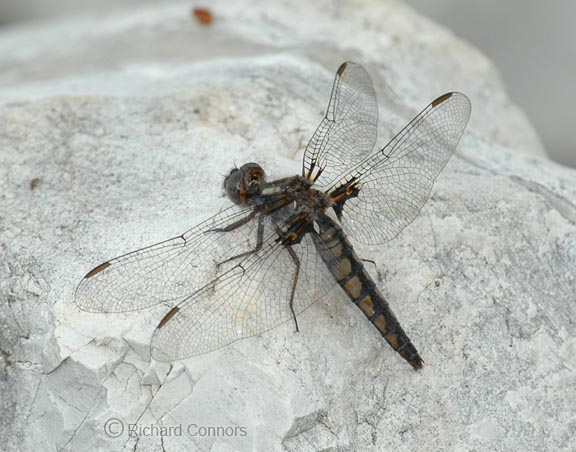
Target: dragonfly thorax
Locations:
point(312, 203)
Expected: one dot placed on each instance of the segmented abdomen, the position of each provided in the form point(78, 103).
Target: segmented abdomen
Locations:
point(344, 264)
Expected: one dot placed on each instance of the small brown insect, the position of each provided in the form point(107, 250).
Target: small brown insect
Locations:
point(34, 183)
point(203, 15)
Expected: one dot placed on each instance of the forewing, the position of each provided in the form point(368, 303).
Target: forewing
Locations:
point(168, 271)
point(248, 299)
point(395, 183)
point(348, 132)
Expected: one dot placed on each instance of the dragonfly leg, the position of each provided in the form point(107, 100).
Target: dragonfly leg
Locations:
point(369, 260)
point(258, 247)
point(295, 282)
point(236, 224)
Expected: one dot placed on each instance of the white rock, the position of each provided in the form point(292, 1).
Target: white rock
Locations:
point(118, 138)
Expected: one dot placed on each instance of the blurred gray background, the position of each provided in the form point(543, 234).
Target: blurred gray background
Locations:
point(533, 43)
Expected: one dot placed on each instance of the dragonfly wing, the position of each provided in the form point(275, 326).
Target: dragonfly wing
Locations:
point(167, 271)
point(349, 130)
point(250, 298)
point(389, 188)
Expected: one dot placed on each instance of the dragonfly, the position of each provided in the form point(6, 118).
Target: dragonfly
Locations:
point(281, 245)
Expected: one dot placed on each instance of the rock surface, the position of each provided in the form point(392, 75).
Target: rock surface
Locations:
point(119, 137)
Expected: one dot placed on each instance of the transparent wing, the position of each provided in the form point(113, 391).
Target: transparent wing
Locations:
point(349, 130)
point(250, 297)
point(170, 270)
point(389, 188)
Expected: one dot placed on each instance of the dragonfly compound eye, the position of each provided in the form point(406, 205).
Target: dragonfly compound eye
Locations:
point(253, 177)
point(253, 174)
point(233, 185)
point(243, 183)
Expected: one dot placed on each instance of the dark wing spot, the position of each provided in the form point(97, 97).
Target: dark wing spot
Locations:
point(442, 98)
point(97, 270)
point(341, 69)
point(168, 316)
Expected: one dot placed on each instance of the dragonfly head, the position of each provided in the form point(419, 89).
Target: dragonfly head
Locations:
point(244, 182)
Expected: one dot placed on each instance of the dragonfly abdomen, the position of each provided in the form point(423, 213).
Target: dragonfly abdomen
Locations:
point(346, 267)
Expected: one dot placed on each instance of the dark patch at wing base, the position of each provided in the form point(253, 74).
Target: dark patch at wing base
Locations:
point(342, 193)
